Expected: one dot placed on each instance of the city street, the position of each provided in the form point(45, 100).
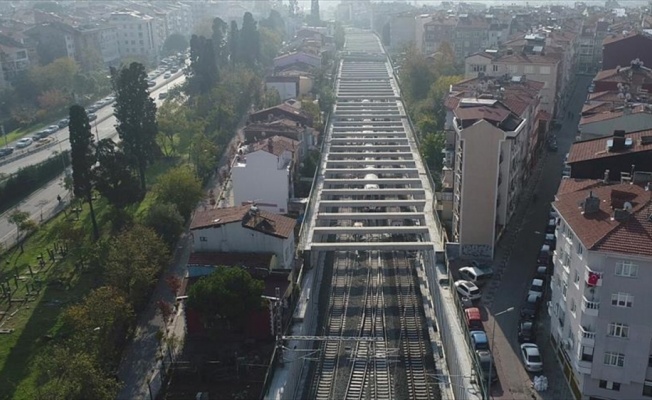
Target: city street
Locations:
point(515, 263)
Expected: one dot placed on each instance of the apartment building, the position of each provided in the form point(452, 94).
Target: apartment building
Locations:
point(590, 38)
point(618, 50)
point(438, 30)
point(600, 294)
point(138, 34)
point(14, 59)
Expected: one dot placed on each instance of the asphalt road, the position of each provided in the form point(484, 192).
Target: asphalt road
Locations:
point(520, 248)
point(102, 126)
point(43, 204)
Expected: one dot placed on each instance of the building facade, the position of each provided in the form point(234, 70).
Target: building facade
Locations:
point(138, 35)
point(14, 59)
point(600, 300)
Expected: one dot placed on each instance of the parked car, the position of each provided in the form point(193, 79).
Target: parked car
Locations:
point(531, 357)
point(475, 275)
point(151, 83)
point(487, 269)
point(63, 123)
point(536, 288)
point(550, 240)
point(24, 142)
point(479, 340)
point(92, 117)
point(542, 272)
point(566, 172)
point(527, 332)
point(5, 151)
point(52, 128)
point(167, 75)
point(467, 289)
point(174, 70)
point(163, 95)
point(109, 99)
point(473, 319)
point(44, 141)
point(40, 134)
point(530, 309)
point(487, 365)
point(545, 256)
point(91, 109)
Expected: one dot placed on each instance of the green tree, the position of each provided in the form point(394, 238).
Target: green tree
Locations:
point(134, 260)
point(22, 221)
point(416, 75)
point(228, 294)
point(181, 187)
point(270, 44)
point(249, 43)
point(65, 374)
point(82, 159)
point(220, 44)
point(274, 22)
point(165, 219)
point(113, 177)
point(100, 323)
point(203, 72)
point(437, 96)
point(135, 113)
point(175, 43)
point(203, 154)
point(270, 98)
point(431, 147)
point(234, 43)
point(339, 36)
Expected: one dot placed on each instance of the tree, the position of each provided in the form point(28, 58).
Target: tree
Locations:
point(175, 43)
point(249, 43)
point(134, 261)
point(203, 72)
point(270, 44)
point(437, 96)
point(220, 44)
point(431, 150)
point(314, 19)
point(271, 98)
point(113, 177)
point(339, 36)
point(135, 113)
point(165, 219)
point(234, 43)
point(99, 324)
point(203, 154)
point(181, 187)
point(274, 22)
point(228, 293)
point(22, 221)
point(416, 75)
point(65, 374)
point(82, 159)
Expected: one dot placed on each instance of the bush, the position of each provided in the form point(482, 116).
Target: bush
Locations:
point(165, 219)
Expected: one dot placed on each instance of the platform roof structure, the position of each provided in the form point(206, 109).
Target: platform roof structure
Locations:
point(372, 190)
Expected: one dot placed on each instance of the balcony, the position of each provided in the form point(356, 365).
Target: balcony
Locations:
point(592, 278)
point(586, 336)
point(584, 367)
point(590, 307)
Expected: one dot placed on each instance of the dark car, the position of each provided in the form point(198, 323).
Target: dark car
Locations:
point(527, 332)
point(5, 151)
point(530, 308)
point(92, 117)
point(552, 146)
point(542, 272)
point(487, 365)
point(63, 123)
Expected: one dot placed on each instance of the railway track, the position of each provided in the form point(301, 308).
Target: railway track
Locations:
point(370, 377)
point(412, 342)
point(330, 350)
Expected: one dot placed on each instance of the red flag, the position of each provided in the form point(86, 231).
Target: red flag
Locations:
point(593, 279)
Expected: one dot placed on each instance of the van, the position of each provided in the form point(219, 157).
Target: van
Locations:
point(475, 275)
point(473, 319)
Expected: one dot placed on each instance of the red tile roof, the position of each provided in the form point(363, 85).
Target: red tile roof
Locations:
point(599, 230)
point(597, 148)
point(265, 222)
point(570, 185)
point(276, 145)
point(496, 114)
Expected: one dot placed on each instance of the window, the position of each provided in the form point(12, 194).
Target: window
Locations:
point(647, 388)
point(573, 307)
point(528, 69)
point(614, 359)
point(627, 269)
point(203, 239)
point(513, 69)
point(609, 385)
point(564, 289)
point(622, 299)
point(576, 278)
point(580, 249)
point(495, 68)
point(587, 353)
point(618, 330)
point(544, 70)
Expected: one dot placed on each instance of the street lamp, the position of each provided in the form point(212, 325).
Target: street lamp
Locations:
point(493, 336)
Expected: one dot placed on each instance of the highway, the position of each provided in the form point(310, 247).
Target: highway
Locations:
point(104, 126)
point(43, 204)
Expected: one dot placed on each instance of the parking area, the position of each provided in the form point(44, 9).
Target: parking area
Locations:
point(503, 305)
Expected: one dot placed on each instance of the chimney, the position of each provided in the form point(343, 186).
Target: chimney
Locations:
point(621, 215)
point(605, 179)
point(619, 133)
point(591, 204)
point(270, 145)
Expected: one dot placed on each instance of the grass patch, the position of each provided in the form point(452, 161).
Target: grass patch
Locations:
point(20, 132)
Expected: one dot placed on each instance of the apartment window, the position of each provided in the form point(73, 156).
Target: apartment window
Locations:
point(614, 359)
point(647, 388)
point(513, 69)
point(529, 69)
point(622, 299)
point(564, 289)
point(495, 68)
point(580, 249)
point(610, 385)
point(203, 239)
point(618, 330)
point(576, 278)
point(573, 307)
point(587, 353)
point(627, 269)
point(544, 70)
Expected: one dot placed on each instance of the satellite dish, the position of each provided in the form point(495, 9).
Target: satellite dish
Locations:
point(627, 206)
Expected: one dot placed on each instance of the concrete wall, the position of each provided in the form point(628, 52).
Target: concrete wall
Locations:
point(234, 237)
point(260, 179)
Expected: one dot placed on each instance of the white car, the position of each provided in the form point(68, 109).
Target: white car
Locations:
point(536, 288)
point(475, 275)
point(24, 142)
point(531, 357)
point(468, 289)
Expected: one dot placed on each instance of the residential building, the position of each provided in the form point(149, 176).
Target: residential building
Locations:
point(244, 229)
point(438, 30)
point(590, 38)
point(618, 154)
point(470, 35)
point(618, 50)
point(305, 135)
point(263, 172)
point(490, 148)
point(600, 288)
point(290, 84)
point(98, 46)
point(402, 28)
point(54, 40)
point(284, 110)
point(138, 35)
point(14, 59)
point(626, 118)
point(297, 59)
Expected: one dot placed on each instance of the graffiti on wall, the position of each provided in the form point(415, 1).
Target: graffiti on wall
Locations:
point(482, 251)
